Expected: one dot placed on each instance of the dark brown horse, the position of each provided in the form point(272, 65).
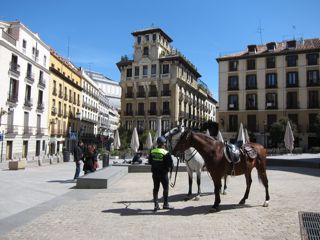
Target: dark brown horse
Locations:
point(212, 151)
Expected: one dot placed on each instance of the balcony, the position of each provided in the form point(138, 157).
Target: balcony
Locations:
point(140, 113)
point(166, 93)
point(152, 112)
point(42, 83)
point(40, 131)
point(28, 102)
point(54, 92)
point(30, 77)
point(141, 95)
point(60, 94)
point(12, 98)
point(312, 105)
point(153, 94)
point(15, 68)
point(60, 113)
point(40, 106)
point(129, 113)
point(70, 99)
point(129, 95)
point(65, 114)
point(166, 112)
point(54, 111)
point(66, 97)
point(12, 129)
point(27, 130)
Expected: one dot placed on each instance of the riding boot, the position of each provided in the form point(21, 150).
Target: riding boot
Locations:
point(165, 201)
point(155, 200)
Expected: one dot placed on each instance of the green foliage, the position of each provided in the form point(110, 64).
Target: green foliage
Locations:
point(277, 131)
point(102, 151)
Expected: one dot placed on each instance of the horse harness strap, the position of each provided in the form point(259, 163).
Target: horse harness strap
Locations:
point(194, 152)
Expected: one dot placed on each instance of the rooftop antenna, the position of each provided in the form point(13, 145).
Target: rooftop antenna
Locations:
point(294, 31)
point(260, 30)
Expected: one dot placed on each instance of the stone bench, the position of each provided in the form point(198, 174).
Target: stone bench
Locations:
point(101, 178)
point(17, 164)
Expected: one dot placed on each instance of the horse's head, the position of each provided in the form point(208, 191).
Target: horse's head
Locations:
point(183, 143)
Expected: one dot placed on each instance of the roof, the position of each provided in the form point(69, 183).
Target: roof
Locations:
point(152, 30)
point(281, 48)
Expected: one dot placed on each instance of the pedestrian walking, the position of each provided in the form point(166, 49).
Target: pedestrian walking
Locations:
point(161, 162)
point(78, 157)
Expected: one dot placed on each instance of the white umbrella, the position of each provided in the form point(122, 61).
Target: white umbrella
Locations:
point(220, 138)
point(156, 137)
point(289, 138)
point(241, 136)
point(148, 143)
point(207, 132)
point(246, 135)
point(134, 140)
point(116, 142)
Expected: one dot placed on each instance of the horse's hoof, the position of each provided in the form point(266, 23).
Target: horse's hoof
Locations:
point(242, 202)
point(224, 193)
point(197, 198)
point(214, 209)
point(266, 204)
point(187, 198)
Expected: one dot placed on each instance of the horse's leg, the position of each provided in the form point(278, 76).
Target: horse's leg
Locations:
point(263, 176)
point(198, 183)
point(190, 184)
point(217, 187)
point(248, 183)
point(225, 185)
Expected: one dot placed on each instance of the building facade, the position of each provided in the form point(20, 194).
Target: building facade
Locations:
point(64, 101)
point(160, 87)
point(24, 74)
point(111, 88)
point(265, 83)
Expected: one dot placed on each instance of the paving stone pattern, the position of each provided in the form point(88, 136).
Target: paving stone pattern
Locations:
point(124, 211)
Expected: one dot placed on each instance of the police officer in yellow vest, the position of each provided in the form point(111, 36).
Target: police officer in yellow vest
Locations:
point(161, 162)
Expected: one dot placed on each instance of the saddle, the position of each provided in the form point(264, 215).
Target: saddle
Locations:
point(232, 151)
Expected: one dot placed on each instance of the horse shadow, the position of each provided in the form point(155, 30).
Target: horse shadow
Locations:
point(187, 211)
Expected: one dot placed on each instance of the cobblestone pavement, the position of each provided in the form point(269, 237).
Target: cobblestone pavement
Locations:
point(124, 211)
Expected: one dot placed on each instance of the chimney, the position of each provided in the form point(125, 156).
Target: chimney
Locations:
point(252, 48)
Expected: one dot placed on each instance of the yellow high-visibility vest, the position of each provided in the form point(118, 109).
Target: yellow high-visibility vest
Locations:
point(158, 153)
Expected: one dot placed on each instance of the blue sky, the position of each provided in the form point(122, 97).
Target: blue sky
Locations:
point(99, 32)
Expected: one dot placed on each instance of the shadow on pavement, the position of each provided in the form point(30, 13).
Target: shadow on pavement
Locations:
point(187, 211)
point(306, 171)
point(63, 181)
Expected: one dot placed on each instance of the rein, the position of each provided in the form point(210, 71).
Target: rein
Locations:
point(194, 152)
point(178, 160)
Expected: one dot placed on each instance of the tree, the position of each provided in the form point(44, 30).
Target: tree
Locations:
point(277, 131)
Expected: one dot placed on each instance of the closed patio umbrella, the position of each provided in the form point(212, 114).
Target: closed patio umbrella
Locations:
point(148, 143)
point(220, 138)
point(289, 138)
point(241, 136)
point(134, 140)
point(116, 143)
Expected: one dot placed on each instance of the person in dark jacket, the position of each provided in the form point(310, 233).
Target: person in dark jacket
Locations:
point(78, 157)
point(88, 166)
point(161, 162)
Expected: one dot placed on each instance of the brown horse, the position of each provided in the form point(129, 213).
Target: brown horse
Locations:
point(212, 151)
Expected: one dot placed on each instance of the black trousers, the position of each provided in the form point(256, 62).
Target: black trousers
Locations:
point(164, 180)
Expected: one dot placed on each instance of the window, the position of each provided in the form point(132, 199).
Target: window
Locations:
point(165, 68)
point(129, 92)
point(44, 60)
point(252, 123)
point(136, 71)
point(146, 37)
point(140, 108)
point(292, 60)
point(233, 102)
point(313, 99)
point(271, 101)
point(129, 109)
point(139, 39)
point(233, 123)
point(40, 98)
point(292, 79)
point(153, 91)
point(293, 118)
point(251, 81)
point(233, 83)
point(154, 37)
point(313, 78)
point(140, 126)
point(165, 108)
point(233, 66)
point(29, 71)
point(145, 51)
point(145, 70)
point(28, 94)
point(141, 92)
point(312, 121)
point(270, 62)
point(271, 80)
point(251, 64)
point(153, 125)
point(271, 119)
point(166, 90)
point(292, 100)
point(24, 44)
point(153, 69)
point(153, 108)
point(251, 101)
point(13, 90)
point(129, 72)
point(312, 58)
